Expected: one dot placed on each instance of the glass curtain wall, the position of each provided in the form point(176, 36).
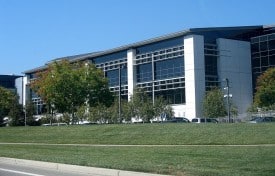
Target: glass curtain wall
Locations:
point(111, 65)
point(211, 70)
point(262, 55)
point(160, 70)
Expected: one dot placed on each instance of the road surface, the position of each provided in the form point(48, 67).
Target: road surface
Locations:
point(20, 170)
point(21, 167)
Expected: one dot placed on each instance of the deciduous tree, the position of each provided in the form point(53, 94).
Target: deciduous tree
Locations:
point(8, 105)
point(265, 94)
point(16, 114)
point(142, 107)
point(65, 86)
point(30, 111)
point(213, 104)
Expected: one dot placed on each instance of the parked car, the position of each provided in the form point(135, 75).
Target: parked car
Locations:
point(262, 120)
point(55, 124)
point(177, 120)
point(204, 120)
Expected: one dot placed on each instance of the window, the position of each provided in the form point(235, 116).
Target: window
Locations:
point(255, 47)
point(211, 65)
point(110, 57)
point(174, 96)
point(113, 77)
point(256, 62)
point(272, 60)
point(263, 46)
point(169, 68)
point(271, 44)
point(160, 45)
point(264, 61)
point(144, 72)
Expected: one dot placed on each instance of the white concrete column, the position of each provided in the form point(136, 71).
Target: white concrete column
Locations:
point(194, 75)
point(131, 71)
point(234, 63)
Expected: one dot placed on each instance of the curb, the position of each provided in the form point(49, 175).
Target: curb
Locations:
point(73, 168)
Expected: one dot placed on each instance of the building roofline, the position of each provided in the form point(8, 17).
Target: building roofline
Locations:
point(160, 38)
point(81, 57)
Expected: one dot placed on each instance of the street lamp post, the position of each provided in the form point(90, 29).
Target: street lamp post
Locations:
point(227, 96)
point(119, 91)
point(25, 115)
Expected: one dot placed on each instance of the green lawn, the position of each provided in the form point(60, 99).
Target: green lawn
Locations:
point(174, 160)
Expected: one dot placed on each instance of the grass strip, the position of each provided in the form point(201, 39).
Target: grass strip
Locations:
point(174, 160)
point(195, 160)
point(145, 134)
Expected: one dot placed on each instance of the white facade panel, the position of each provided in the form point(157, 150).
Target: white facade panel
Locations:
point(234, 63)
point(131, 72)
point(20, 84)
point(179, 110)
point(194, 75)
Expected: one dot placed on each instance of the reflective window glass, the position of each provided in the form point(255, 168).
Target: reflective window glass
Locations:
point(264, 61)
point(256, 62)
point(211, 65)
point(144, 72)
point(110, 57)
point(271, 44)
point(176, 96)
point(169, 68)
point(264, 53)
point(160, 45)
point(255, 47)
point(272, 60)
point(263, 46)
point(113, 77)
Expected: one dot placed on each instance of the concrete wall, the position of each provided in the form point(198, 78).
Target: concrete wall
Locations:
point(194, 75)
point(234, 63)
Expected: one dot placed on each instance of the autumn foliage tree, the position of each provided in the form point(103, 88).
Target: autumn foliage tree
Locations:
point(265, 94)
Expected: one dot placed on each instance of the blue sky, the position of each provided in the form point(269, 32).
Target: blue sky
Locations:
point(33, 32)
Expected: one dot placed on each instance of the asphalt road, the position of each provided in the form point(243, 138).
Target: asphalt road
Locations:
point(19, 170)
point(21, 167)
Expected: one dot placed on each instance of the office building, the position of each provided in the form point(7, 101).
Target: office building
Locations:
point(182, 66)
point(14, 83)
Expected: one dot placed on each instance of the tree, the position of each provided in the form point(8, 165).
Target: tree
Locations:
point(30, 111)
point(5, 97)
point(142, 107)
point(213, 104)
point(16, 114)
point(82, 113)
point(114, 111)
point(162, 108)
point(65, 87)
point(9, 106)
point(100, 114)
point(265, 94)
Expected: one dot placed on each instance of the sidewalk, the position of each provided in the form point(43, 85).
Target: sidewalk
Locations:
point(73, 168)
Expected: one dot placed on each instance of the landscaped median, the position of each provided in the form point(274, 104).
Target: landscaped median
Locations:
point(176, 149)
